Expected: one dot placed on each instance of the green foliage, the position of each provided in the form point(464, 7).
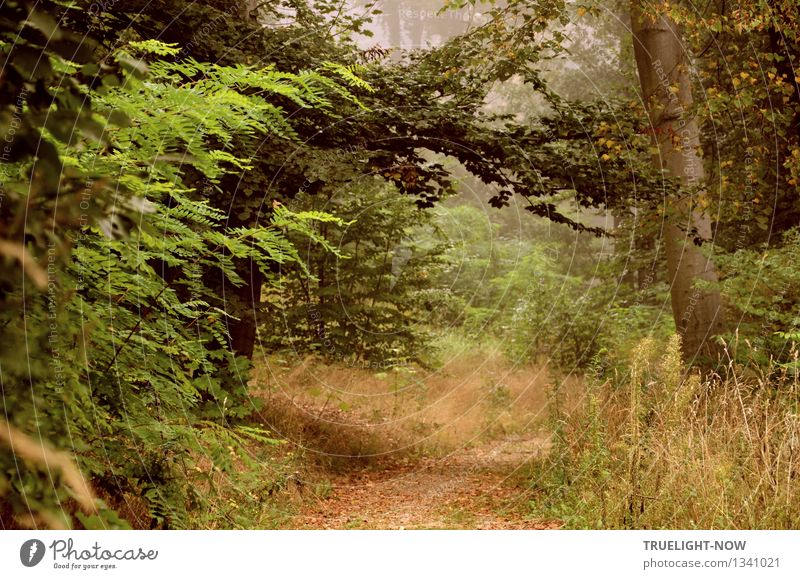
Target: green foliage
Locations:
point(478, 251)
point(555, 318)
point(762, 288)
point(157, 198)
point(544, 289)
point(128, 360)
point(368, 302)
point(532, 292)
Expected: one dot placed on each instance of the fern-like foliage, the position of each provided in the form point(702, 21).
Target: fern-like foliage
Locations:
point(131, 366)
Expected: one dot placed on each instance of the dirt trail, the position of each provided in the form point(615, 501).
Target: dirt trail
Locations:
point(490, 411)
point(471, 488)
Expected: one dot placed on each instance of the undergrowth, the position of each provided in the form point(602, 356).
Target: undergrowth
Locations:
point(663, 448)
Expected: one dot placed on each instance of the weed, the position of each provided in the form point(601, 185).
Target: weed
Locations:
point(665, 448)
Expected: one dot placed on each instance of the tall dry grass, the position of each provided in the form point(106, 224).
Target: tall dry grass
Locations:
point(345, 414)
point(664, 448)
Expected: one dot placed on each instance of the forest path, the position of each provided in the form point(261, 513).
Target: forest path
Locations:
point(470, 488)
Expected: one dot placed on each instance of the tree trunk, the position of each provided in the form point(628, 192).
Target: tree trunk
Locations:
point(245, 301)
point(248, 11)
point(667, 91)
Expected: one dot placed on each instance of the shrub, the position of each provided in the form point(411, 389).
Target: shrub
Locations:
point(127, 361)
point(371, 301)
point(762, 289)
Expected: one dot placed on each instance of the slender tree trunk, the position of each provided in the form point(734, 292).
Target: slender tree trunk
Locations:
point(249, 11)
point(667, 90)
point(246, 300)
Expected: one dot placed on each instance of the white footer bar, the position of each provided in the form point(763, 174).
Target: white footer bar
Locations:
point(407, 554)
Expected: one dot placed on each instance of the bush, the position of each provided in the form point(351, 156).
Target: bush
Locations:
point(762, 290)
point(127, 361)
point(556, 318)
point(371, 301)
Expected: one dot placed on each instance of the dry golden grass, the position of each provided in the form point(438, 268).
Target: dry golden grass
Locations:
point(348, 414)
point(665, 449)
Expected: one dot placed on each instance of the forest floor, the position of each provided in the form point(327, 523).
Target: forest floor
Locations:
point(448, 449)
point(470, 488)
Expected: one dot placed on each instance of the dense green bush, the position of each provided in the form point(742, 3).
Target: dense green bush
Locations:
point(762, 289)
point(122, 353)
point(368, 303)
point(554, 317)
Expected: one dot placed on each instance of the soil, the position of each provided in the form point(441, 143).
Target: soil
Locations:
point(476, 487)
